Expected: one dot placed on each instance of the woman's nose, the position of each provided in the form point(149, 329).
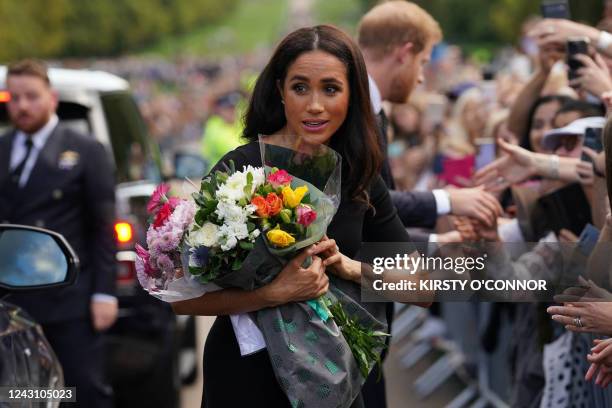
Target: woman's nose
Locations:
point(315, 105)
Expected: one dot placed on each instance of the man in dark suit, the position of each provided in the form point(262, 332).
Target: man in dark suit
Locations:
point(53, 177)
point(396, 39)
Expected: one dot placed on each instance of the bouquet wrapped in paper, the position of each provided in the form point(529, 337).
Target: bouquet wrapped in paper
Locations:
point(247, 225)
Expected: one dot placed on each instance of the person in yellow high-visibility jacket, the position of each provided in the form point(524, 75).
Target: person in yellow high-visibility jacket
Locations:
point(223, 129)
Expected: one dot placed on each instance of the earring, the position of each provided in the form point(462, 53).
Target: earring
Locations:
point(283, 101)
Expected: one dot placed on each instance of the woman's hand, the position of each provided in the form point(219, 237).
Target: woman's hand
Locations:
point(594, 76)
point(515, 167)
point(339, 264)
point(584, 317)
point(552, 31)
point(599, 159)
point(601, 362)
point(296, 284)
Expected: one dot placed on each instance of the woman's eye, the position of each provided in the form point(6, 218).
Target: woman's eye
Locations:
point(331, 90)
point(299, 88)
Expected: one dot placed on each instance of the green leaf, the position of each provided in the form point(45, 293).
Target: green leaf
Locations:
point(246, 245)
point(237, 264)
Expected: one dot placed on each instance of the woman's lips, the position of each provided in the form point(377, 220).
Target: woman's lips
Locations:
point(314, 126)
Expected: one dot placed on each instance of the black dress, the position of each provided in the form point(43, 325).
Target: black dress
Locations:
point(231, 380)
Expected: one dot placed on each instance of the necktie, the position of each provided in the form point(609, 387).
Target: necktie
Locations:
point(383, 123)
point(385, 171)
point(16, 173)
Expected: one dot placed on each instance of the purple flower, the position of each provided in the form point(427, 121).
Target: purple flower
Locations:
point(169, 241)
point(165, 263)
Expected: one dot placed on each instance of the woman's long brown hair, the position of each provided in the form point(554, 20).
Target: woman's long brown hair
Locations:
point(356, 140)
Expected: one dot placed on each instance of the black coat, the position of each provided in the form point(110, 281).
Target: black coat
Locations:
point(415, 208)
point(77, 201)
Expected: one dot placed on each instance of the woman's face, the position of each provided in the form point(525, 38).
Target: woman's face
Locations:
point(316, 95)
point(542, 123)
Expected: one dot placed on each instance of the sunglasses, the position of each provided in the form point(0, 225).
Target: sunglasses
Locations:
point(568, 142)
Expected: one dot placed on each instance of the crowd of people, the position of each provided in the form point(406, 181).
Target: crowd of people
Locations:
point(441, 149)
point(529, 129)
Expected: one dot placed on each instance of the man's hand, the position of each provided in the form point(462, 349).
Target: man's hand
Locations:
point(103, 314)
point(475, 202)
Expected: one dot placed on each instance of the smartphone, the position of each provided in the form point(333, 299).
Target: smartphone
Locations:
point(575, 46)
point(486, 152)
point(592, 139)
point(555, 9)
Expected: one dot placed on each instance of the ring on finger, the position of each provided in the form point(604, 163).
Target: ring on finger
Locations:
point(578, 322)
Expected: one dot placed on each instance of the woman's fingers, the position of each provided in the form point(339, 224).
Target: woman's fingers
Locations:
point(564, 320)
point(591, 371)
point(299, 260)
point(332, 259)
point(586, 60)
point(604, 354)
point(325, 245)
point(571, 311)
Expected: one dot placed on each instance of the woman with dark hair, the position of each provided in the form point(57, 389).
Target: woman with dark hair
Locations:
point(314, 90)
point(540, 121)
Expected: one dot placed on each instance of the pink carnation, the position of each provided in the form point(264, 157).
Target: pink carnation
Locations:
point(158, 198)
point(142, 262)
point(279, 178)
point(306, 215)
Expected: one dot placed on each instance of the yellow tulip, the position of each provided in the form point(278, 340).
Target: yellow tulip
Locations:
point(293, 198)
point(280, 238)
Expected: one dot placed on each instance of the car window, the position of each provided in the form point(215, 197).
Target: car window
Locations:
point(135, 156)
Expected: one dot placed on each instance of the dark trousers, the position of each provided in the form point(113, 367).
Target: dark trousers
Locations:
point(373, 390)
point(81, 352)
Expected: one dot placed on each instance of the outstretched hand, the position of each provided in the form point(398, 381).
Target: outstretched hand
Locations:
point(515, 167)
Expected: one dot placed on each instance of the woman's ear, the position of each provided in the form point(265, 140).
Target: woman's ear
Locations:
point(279, 86)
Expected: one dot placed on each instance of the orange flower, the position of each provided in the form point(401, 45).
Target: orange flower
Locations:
point(263, 209)
point(275, 203)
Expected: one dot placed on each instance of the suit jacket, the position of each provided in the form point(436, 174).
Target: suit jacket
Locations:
point(71, 190)
point(415, 208)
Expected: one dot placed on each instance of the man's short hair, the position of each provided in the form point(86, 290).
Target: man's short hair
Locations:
point(29, 67)
point(394, 23)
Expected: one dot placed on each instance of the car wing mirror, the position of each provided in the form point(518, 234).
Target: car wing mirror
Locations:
point(35, 258)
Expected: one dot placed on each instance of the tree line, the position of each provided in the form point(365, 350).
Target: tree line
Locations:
point(81, 28)
point(495, 22)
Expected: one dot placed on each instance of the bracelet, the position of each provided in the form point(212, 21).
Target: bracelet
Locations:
point(604, 41)
point(554, 166)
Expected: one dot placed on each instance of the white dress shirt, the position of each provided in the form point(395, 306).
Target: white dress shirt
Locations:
point(19, 149)
point(18, 153)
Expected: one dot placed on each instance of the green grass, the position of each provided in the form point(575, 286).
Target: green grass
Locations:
point(254, 24)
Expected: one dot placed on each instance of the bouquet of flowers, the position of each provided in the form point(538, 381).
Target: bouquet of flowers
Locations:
point(160, 265)
point(247, 225)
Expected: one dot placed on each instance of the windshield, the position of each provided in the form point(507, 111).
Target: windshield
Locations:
point(135, 156)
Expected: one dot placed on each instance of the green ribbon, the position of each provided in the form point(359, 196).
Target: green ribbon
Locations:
point(320, 308)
